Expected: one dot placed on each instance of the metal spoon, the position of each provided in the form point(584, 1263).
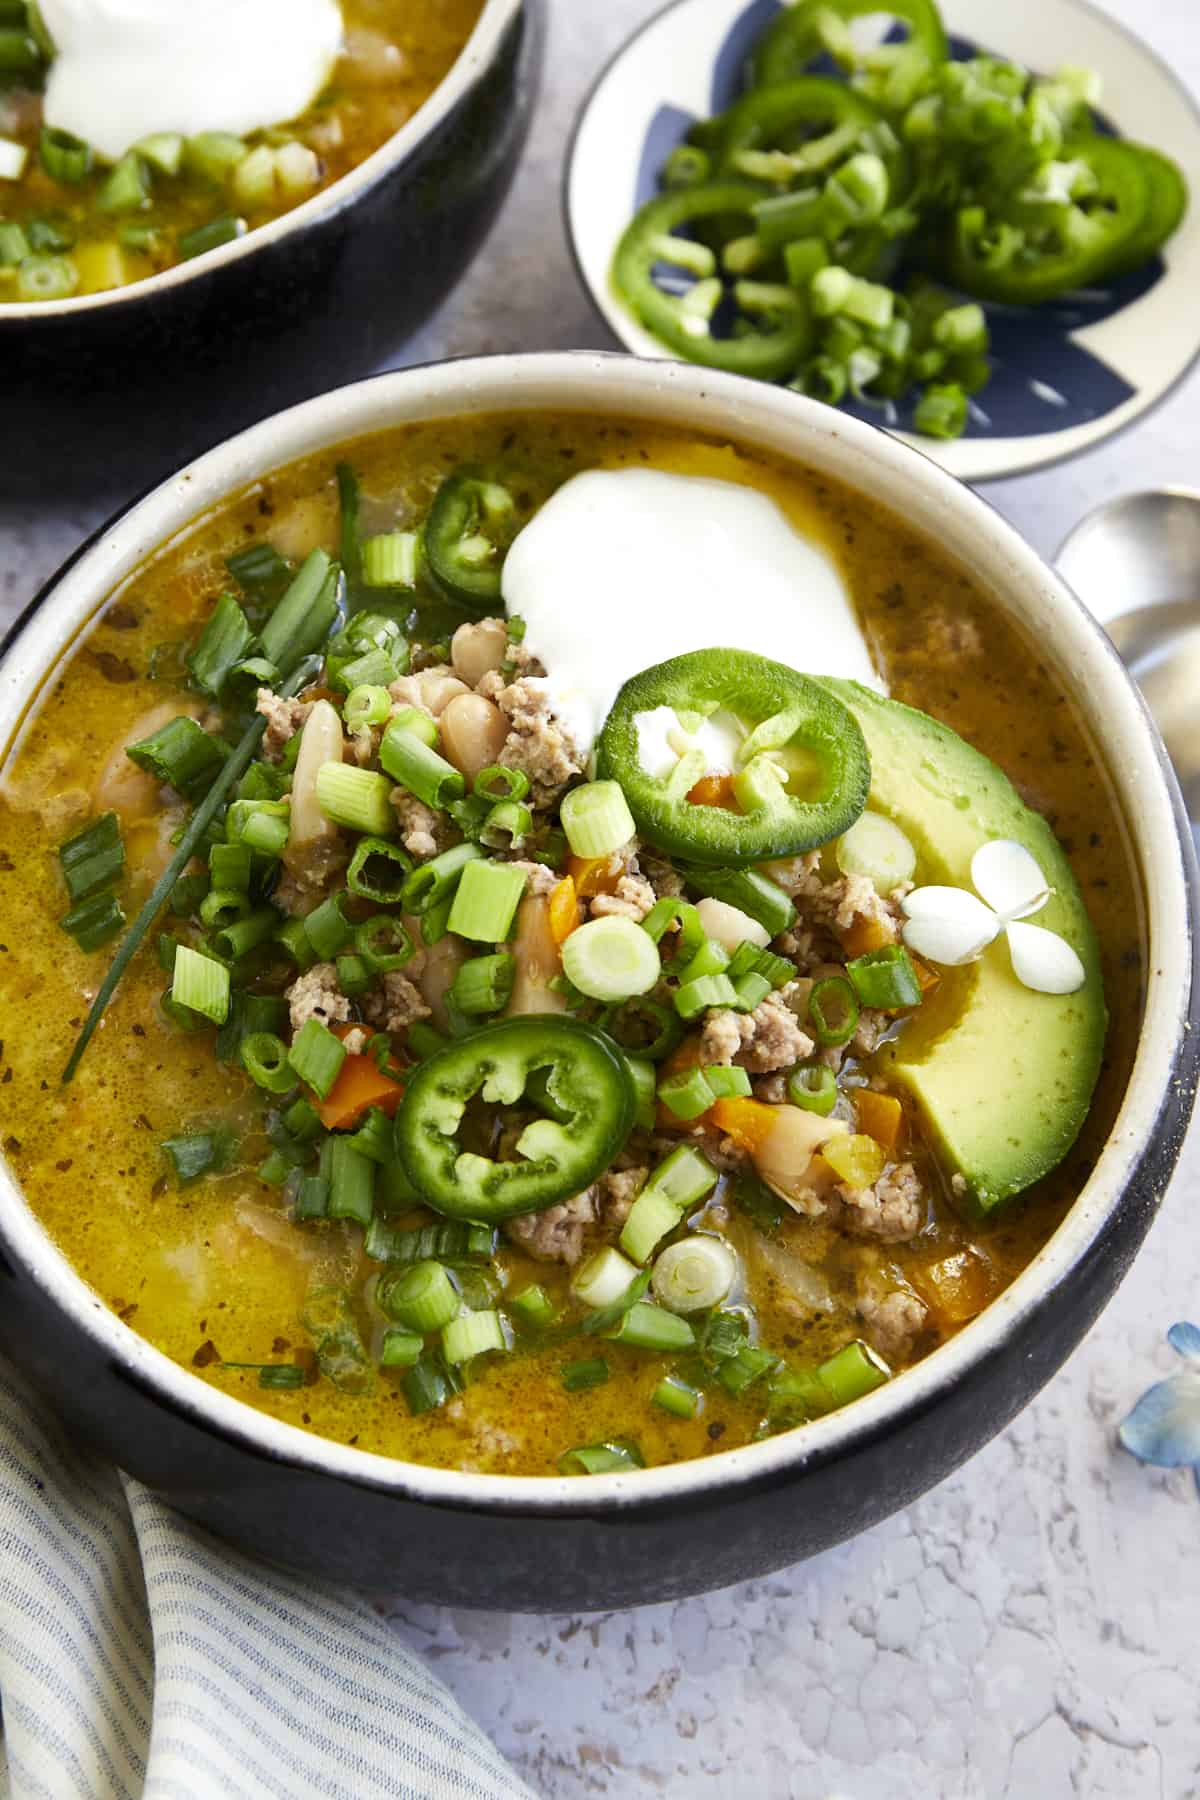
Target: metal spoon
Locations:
point(1135, 562)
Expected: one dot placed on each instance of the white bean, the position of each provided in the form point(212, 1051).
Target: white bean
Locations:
point(321, 742)
point(537, 960)
point(122, 787)
point(730, 926)
point(478, 648)
point(440, 965)
point(473, 732)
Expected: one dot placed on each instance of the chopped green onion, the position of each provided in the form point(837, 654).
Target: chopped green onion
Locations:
point(421, 724)
point(750, 991)
point(644, 1079)
point(812, 1086)
point(533, 1307)
point(728, 1082)
point(374, 936)
point(711, 958)
point(229, 866)
point(737, 1372)
point(259, 825)
point(400, 1349)
point(486, 900)
point(180, 754)
point(126, 188)
point(374, 668)
point(328, 928)
point(648, 1327)
point(470, 815)
point(378, 871)
point(941, 412)
point(694, 1274)
point(373, 1139)
point(248, 1014)
point(221, 646)
point(427, 1385)
point(312, 1198)
point(472, 1334)
point(214, 154)
point(93, 857)
point(328, 1317)
point(695, 997)
point(630, 1023)
point(852, 1372)
point(353, 976)
point(293, 940)
point(197, 1153)
point(686, 1093)
point(435, 881)
point(303, 616)
point(497, 783)
point(263, 781)
point(832, 1011)
point(578, 1377)
point(365, 706)
point(421, 1297)
point(390, 560)
point(885, 978)
point(264, 1057)
point(200, 984)
point(603, 1278)
point(748, 959)
point(601, 1459)
point(234, 941)
point(317, 1056)
point(189, 893)
point(750, 892)
point(421, 770)
point(64, 157)
point(449, 1241)
point(360, 799)
point(506, 826)
point(46, 278)
point(611, 959)
point(14, 245)
point(596, 818)
point(675, 1396)
point(223, 906)
point(223, 230)
point(483, 984)
point(259, 570)
point(684, 1177)
point(351, 1178)
point(604, 1316)
point(650, 1219)
point(163, 150)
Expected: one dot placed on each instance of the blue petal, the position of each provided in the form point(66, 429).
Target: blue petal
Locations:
point(1186, 1339)
point(1164, 1426)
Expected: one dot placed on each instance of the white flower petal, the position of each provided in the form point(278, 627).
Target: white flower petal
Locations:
point(1044, 961)
point(947, 925)
point(1009, 879)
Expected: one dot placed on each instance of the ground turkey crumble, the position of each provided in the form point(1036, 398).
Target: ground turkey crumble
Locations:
point(891, 1322)
point(771, 1037)
point(892, 1210)
point(633, 899)
point(536, 745)
point(316, 995)
point(557, 1235)
point(397, 1006)
point(284, 719)
point(538, 878)
point(423, 832)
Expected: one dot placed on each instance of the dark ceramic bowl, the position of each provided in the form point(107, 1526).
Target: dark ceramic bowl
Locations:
point(615, 1540)
point(112, 390)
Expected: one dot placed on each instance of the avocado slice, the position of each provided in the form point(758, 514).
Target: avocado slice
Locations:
point(1003, 1075)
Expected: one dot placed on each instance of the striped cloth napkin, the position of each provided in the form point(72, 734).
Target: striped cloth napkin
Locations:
point(139, 1656)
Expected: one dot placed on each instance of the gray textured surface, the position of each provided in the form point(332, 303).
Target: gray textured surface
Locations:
point(1027, 1631)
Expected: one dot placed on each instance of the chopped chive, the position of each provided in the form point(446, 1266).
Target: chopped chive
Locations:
point(316, 1056)
point(93, 858)
point(200, 984)
point(591, 1372)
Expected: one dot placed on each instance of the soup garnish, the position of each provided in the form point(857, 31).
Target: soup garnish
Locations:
point(133, 138)
point(817, 214)
point(517, 1095)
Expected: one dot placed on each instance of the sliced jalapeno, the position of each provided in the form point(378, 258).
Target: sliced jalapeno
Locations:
point(469, 527)
point(802, 32)
point(587, 1086)
point(777, 320)
point(805, 771)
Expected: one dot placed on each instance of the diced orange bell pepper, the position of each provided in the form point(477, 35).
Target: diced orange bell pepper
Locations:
point(360, 1085)
point(957, 1286)
point(867, 934)
point(881, 1116)
point(564, 909)
point(592, 875)
point(927, 977)
point(748, 1122)
point(714, 790)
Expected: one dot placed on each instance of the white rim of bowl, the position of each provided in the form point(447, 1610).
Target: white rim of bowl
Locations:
point(765, 419)
point(474, 57)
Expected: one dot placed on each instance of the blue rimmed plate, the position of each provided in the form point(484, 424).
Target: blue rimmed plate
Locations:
point(1066, 374)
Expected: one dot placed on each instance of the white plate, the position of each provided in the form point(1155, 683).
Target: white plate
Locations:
point(1065, 375)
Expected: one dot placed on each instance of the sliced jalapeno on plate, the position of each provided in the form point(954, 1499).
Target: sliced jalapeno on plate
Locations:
point(805, 30)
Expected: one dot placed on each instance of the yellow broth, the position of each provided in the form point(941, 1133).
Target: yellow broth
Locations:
point(396, 52)
point(215, 1273)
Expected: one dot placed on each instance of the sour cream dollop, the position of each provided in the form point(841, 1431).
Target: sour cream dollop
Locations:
point(124, 69)
point(623, 568)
